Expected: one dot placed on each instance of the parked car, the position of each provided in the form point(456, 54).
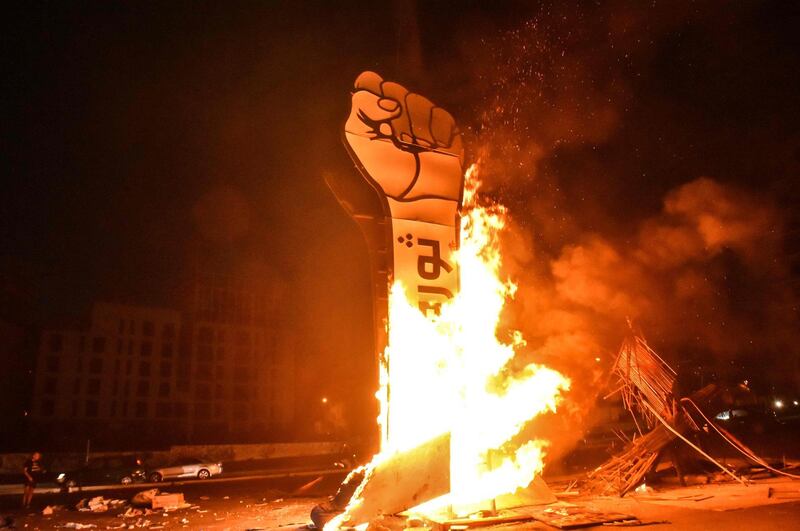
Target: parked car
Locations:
point(185, 468)
point(753, 419)
point(103, 471)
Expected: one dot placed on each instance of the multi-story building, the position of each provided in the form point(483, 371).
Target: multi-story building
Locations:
point(239, 369)
point(217, 372)
point(117, 374)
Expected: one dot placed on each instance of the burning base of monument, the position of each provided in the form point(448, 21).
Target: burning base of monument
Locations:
point(450, 407)
point(451, 403)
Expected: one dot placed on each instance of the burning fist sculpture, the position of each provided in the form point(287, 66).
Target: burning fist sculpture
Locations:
point(410, 150)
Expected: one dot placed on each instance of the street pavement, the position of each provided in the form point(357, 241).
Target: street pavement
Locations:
point(52, 488)
point(282, 503)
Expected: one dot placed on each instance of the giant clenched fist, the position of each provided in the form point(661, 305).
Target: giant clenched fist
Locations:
point(409, 149)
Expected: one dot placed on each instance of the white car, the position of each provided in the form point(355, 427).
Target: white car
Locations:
point(185, 469)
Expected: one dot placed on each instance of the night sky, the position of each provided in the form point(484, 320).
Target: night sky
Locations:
point(133, 129)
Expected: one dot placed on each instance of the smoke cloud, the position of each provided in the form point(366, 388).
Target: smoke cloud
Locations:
point(614, 214)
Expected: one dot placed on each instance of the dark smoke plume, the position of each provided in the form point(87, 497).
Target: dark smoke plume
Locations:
point(614, 214)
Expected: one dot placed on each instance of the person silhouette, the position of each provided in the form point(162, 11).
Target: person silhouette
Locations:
point(32, 470)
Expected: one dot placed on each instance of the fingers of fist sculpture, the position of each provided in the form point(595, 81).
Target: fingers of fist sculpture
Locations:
point(404, 143)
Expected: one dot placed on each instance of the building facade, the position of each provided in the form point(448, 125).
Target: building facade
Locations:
point(239, 369)
point(137, 374)
point(117, 374)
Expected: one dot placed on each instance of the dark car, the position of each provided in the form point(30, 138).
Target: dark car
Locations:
point(104, 471)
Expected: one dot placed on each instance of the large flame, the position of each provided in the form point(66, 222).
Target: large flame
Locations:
point(448, 373)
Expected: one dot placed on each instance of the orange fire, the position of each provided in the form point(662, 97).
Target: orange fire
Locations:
point(447, 373)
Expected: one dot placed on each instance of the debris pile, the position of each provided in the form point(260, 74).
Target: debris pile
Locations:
point(647, 387)
point(561, 515)
point(99, 504)
point(140, 512)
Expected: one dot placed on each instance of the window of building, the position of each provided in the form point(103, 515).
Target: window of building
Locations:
point(47, 408)
point(166, 350)
point(163, 389)
point(168, 332)
point(202, 410)
point(144, 368)
point(180, 409)
point(142, 388)
point(220, 353)
point(205, 334)
point(93, 386)
point(141, 410)
point(131, 327)
point(220, 372)
point(147, 348)
point(91, 408)
point(56, 342)
point(79, 366)
point(127, 387)
point(128, 367)
point(76, 386)
point(99, 345)
point(242, 374)
point(219, 393)
point(163, 409)
point(243, 338)
point(53, 363)
point(203, 371)
point(113, 410)
point(50, 386)
point(116, 387)
point(217, 410)
point(166, 369)
point(82, 344)
point(130, 347)
point(203, 392)
point(148, 329)
point(125, 408)
point(96, 366)
point(119, 346)
point(122, 326)
point(116, 367)
point(205, 352)
point(182, 385)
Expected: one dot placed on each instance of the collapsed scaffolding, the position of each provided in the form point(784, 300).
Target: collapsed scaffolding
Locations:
point(647, 386)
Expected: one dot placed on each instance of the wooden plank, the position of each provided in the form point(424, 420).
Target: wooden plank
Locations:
point(575, 517)
point(485, 521)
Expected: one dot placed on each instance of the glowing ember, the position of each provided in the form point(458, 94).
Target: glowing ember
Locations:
point(447, 373)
